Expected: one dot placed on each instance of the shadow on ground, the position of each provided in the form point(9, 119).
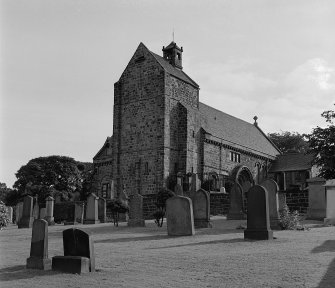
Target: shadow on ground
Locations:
point(20, 272)
point(328, 280)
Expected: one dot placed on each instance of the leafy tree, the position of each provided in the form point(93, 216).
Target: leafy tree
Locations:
point(289, 141)
point(49, 175)
point(322, 144)
point(4, 191)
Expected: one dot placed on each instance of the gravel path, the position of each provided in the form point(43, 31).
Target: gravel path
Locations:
point(147, 257)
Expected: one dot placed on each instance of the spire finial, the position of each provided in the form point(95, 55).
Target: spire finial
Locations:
point(255, 118)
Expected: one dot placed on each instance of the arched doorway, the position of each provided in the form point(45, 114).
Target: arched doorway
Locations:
point(242, 175)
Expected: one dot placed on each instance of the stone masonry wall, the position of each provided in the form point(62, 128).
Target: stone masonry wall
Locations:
point(297, 200)
point(219, 203)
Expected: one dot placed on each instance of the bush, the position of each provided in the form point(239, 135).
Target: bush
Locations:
point(290, 220)
point(4, 219)
point(162, 196)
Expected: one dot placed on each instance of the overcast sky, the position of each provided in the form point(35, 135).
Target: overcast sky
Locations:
point(60, 59)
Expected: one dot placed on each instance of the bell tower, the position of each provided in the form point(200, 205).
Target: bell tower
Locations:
point(173, 54)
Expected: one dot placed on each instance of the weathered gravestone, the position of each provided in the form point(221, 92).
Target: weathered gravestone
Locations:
point(27, 218)
point(43, 213)
point(39, 246)
point(136, 218)
point(50, 210)
point(79, 211)
point(236, 203)
point(201, 208)
point(92, 210)
point(316, 199)
point(102, 210)
point(78, 253)
point(10, 214)
point(36, 208)
point(18, 212)
point(258, 223)
point(272, 189)
point(178, 188)
point(179, 216)
point(330, 202)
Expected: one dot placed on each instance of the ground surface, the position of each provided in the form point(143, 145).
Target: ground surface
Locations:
point(147, 257)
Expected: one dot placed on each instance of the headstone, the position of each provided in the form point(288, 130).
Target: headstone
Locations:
point(18, 212)
point(50, 210)
point(272, 188)
point(79, 211)
point(43, 213)
point(27, 218)
point(136, 218)
point(36, 208)
point(201, 208)
point(102, 210)
point(178, 190)
point(10, 214)
point(78, 253)
point(39, 246)
point(258, 223)
point(223, 190)
point(316, 199)
point(179, 216)
point(330, 205)
point(236, 203)
point(92, 210)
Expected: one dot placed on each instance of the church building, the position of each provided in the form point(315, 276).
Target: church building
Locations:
point(160, 128)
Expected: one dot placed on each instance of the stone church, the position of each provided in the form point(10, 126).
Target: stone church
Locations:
point(160, 128)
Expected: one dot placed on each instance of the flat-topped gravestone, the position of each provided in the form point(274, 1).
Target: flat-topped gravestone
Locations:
point(102, 210)
point(201, 208)
point(79, 211)
point(10, 213)
point(18, 212)
point(258, 223)
point(272, 189)
point(43, 213)
point(50, 210)
point(236, 203)
point(39, 246)
point(27, 218)
point(78, 252)
point(316, 199)
point(92, 210)
point(136, 218)
point(330, 202)
point(179, 216)
point(36, 208)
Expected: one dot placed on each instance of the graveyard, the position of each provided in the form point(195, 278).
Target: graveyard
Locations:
point(147, 257)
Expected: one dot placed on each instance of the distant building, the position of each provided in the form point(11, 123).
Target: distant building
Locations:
point(161, 128)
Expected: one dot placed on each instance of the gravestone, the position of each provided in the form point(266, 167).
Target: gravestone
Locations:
point(258, 223)
point(10, 213)
point(330, 202)
point(179, 216)
point(18, 212)
point(39, 246)
point(272, 189)
point(178, 188)
point(50, 210)
point(195, 184)
point(136, 218)
point(223, 190)
point(79, 211)
point(36, 208)
point(316, 199)
point(92, 210)
point(102, 210)
point(27, 218)
point(236, 203)
point(201, 208)
point(78, 253)
point(281, 201)
point(43, 213)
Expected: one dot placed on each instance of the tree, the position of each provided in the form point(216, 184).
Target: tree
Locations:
point(46, 176)
point(4, 191)
point(322, 144)
point(289, 141)
point(9, 196)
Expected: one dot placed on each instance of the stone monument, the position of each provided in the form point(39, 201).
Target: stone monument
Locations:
point(136, 218)
point(272, 189)
point(27, 218)
point(50, 210)
point(236, 203)
point(201, 209)
point(92, 210)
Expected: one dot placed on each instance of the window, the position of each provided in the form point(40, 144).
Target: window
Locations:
point(105, 188)
point(235, 157)
point(146, 168)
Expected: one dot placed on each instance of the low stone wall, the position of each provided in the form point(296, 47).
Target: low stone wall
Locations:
point(219, 203)
point(297, 199)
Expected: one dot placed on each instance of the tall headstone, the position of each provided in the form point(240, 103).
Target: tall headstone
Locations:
point(178, 189)
point(50, 210)
point(316, 199)
point(136, 218)
point(258, 223)
point(18, 212)
point(272, 188)
point(79, 211)
point(78, 252)
point(36, 208)
point(43, 213)
point(27, 218)
point(102, 210)
point(330, 205)
point(281, 200)
point(92, 210)
point(179, 216)
point(39, 246)
point(201, 209)
point(10, 214)
point(236, 203)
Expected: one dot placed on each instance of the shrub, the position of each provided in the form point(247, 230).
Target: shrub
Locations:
point(162, 196)
point(290, 220)
point(4, 219)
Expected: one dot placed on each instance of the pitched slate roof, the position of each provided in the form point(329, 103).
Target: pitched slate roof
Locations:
point(236, 132)
point(102, 149)
point(176, 72)
point(292, 162)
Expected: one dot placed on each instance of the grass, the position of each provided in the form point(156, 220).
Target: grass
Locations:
point(147, 257)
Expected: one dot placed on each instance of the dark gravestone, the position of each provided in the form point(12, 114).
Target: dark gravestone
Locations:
point(258, 224)
point(236, 203)
point(39, 246)
point(102, 210)
point(27, 218)
point(78, 252)
point(136, 218)
point(272, 188)
point(201, 206)
point(179, 216)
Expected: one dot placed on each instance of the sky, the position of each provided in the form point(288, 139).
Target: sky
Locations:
point(61, 58)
